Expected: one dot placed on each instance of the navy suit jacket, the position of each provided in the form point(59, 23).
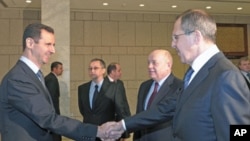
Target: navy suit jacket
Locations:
point(161, 132)
point(217, 97)
point(27, 112)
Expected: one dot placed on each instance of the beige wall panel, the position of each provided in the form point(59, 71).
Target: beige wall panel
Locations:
point(16, 31)
point(92, 33)
point(128, 66)
point(118, 50)
point(135, 50)
point(151, 17)
point(76, 33)
point(126, 33)
point(31, 15)
point(159, 34)
point(141, 67)
point(83, 50)
point(101, 50)
point(5, 32)
point(134, 17)
point(11, 13)
point(100, 16)
point(109, 33)
point(110, 58)
point(118, 17)
point(77, 70)
point(83, 15)
point(132, 99)
point(167, 18)
point(143, 34)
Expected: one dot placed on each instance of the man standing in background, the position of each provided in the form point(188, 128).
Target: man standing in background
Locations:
point(114, 74)
point(52, 84)
point(162, 84)
point(99, 100)
point(244, 66)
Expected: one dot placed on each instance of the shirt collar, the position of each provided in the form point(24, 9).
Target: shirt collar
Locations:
point(29, 63)
point(202, 59)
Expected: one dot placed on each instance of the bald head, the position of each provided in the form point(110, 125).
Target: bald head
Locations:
point(159, 64)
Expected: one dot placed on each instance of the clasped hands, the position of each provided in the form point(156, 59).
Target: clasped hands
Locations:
point(110, 131)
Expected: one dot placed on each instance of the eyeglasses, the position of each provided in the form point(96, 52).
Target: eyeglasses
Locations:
point(176, 37)
point(94, 68)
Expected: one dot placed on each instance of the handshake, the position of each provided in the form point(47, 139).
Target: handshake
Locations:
point(110, 131)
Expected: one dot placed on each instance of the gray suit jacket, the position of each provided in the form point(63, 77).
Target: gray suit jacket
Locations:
point(27, 112)
point(161, 132)
point(217, 97)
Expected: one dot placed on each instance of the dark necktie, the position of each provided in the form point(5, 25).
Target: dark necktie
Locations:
point(248, 75)
point(153, 95)
point(95, 95)
point(40, 76)
point(188, 76)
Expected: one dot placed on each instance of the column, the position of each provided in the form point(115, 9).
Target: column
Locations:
point(56, 13)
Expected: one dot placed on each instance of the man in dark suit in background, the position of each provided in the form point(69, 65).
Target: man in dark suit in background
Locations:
point(52, 84)
point(244, 66)
point(215, 95)
point(27, 111)
point(160, 70)
point(114, 74)
point(99, 100)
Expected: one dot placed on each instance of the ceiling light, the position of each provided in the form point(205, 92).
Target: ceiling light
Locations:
point(28, 1)
point(141, 5)
point(208, 7)
point(174, 6)
point(105, 4)
point(239, 8)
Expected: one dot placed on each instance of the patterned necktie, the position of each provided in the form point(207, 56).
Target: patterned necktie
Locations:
point(95, 95)
point(40, 76)
point(153, 95)
point(188, 76)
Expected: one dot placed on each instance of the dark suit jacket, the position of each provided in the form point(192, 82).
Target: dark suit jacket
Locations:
point(123, 102)
point(27, 112)
point(161, 132)
point(54, 90)
point(108, 104)
point(216, 97)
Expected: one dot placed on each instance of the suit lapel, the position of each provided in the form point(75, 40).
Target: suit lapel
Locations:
point(145, 93)
point(164, 90)
point(200, 76)
point(36, 81)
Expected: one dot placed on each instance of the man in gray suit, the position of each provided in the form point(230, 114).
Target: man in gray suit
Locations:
point(160, 70)
point(27, 112)
point(216, 95)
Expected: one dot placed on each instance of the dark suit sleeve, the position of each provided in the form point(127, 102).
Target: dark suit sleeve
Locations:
point(163, 112)
point(122, 106)
point(29, 98)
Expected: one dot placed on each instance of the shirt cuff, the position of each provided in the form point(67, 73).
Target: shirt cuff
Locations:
point(123, 125)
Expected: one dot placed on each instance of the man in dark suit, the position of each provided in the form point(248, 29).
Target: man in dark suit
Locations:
point(27, 112)
point(99, 100)
point(216, 95)
point(114, 74)
point(244, 66)
point(52, 84)
point(159, 69)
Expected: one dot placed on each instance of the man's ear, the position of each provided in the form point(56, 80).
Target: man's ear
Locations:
point(29, 42)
